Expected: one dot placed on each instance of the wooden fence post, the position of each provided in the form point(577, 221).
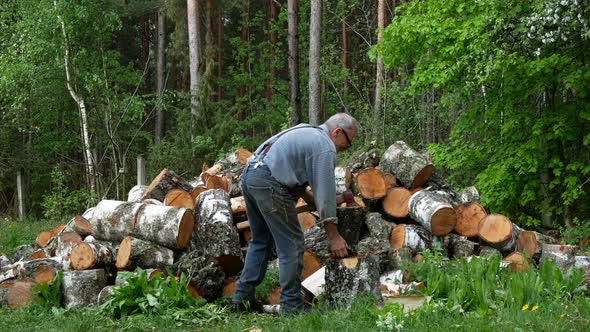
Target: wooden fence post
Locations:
point(20, 194)
point(140, 171)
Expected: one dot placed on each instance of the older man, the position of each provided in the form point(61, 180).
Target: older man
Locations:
point(280, 170)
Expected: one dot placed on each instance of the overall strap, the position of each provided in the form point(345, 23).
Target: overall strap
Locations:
point(261, 152)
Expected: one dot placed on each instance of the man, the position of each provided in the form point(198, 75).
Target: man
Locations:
point(280, 170)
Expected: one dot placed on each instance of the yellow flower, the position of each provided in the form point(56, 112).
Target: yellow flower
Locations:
point(535, 307)
point(525, 307)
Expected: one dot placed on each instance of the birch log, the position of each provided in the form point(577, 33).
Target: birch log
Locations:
point(468, 217)
point(562, 254)
point(370, 184)
point(343, 179)
point(497, 231)
point(81, 288)
point(136, 193)
point(530, 243)
point(349, 277)
point(163, 183)
point(433, 211)
point(415, 237)
point(135, 253)
point(408, 166)
point(395, 203)
point(93, 255)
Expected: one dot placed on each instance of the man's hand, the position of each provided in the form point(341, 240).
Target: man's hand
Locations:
point(338, 245)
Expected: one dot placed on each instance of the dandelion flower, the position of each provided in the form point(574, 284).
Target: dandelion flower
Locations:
point(525, 307)
point(535, 307)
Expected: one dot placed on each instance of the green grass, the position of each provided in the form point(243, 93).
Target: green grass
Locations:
point(16, 232)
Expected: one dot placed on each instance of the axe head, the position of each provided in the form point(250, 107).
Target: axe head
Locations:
point(348, 197)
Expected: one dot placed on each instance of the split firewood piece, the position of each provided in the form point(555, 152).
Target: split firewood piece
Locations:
point(17, 294)
point(179, 198)
point(562, 254)
point(204, 274)
point(229, 286)
point(410, 167)
point(368, 156)
point(135, 253)
point(583, 262)
point(39, 270)
point(395, 203)
point(45, 237)
point(462, 247)
point(21, 252)
point(369, 184)
point(469, 194)
point(136, 193)
point(347, 278)
point(531, 243)
point(311, 263)
point(386, 256)
point(163, 183)
point(377, 227)
point(343, 179)
point(86, 256)
point(80, 225)
point(415, 237)
point(164, 225)
point(215, 234)
point(306, 220)
point(81, 288)
point(350, 222)
point(238, 208)
point(104, 294)
point(433, 211)
point(468, 217)
point(517, 262)
point(497, 231)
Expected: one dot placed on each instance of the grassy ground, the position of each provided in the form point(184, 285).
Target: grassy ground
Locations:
point(555, 312)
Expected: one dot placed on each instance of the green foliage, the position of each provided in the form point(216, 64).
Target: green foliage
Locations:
point(62, 202)
point(49, 295)
point(143, 295)
point(17, 232)
point(578, 235)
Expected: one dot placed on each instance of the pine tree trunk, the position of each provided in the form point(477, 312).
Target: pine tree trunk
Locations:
point(294, 96)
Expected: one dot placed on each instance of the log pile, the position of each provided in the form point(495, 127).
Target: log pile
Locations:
point(401, 206)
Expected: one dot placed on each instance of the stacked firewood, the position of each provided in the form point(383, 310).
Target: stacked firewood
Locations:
point(393, 207)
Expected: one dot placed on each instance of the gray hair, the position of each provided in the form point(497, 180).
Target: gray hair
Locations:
point(342, 120)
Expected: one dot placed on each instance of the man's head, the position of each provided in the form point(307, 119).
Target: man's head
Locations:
point(343, 129)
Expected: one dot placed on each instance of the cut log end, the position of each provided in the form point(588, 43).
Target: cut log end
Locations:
point(43, 238)
point(20, 294)
point(423, 176)
point(371, 184)
point(494, 228)
point(185, 229)
point(398, 236)
point(527, 243)
point(179, 198)
point(44, 273)
point(468, 217)
point(517, 262)
point(395, 202)
point(443, 221)
point(124, 253)
point(82, 257)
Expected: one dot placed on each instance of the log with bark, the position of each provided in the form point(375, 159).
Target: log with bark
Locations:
point(497, 231)
point(86, 256)
point(343, 177)
point(113, 220)
point(562, 254)
point(39, 270)
point(163, 183)
point(17, 294)
point(350, 221)
point(21, 252)
point(583, 262)
point(215, 236)
point(387, 257)
point(316, 241)
point(80, 225)
point(395, 203)
point(410, 168)
point(367, 157)
point(377, 227)
point(135, 253)
point(468, 217)
point(469, 194)
point(414, 237)
point(81, 288)
point(433, 211)
point(530, 243)
point(179, 198)
point(104, 294)
point(238, 208)
point(136, 193)
point(349, 277)
point(204, 274)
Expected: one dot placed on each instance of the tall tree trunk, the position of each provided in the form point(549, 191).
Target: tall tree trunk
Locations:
point(294, 97)
point(315, 32)
point(144, 22)
point(272, 37)
point(194, 45)
point(160, 71)
point(208, 37)
point(381, 7)
point(345, 65)
point(243, 87)
point(90, 163)
point(219, 53)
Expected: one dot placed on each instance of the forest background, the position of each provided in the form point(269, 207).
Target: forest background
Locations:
point(496, 91)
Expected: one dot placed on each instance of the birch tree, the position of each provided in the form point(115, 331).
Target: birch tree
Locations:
point(315, 31)
point(194, 45)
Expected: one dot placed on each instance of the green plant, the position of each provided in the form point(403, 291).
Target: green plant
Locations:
point(268, 284)
point(62, 202)
point(49, 295)
point(578, 235)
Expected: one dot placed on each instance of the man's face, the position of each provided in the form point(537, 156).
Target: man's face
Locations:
point(342, 139)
